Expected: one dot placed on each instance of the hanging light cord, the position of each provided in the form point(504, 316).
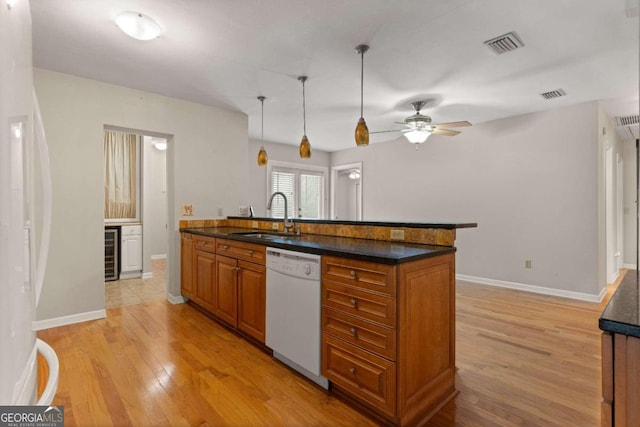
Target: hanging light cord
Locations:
point(361, 82)
point(262, 125)
point(304, 112)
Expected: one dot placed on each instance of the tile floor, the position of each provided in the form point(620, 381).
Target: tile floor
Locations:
point(119, 293)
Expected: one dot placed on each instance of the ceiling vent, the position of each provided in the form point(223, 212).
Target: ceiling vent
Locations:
point(504, 43)
point(553, 94)
point(633, 119)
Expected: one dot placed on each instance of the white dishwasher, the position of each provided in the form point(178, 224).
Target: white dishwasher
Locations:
point(293, 311)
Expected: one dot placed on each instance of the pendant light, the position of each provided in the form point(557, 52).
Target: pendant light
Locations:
point(262, 154)
point(362, 132)
point(305, 147)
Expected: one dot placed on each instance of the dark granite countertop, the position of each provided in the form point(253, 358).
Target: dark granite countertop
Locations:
point(364, 249)
point(448, 226)
point(622, 313)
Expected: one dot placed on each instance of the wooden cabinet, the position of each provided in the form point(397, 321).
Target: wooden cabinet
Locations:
point(252, 297)
point(620, 380)
point(228, 279)
point(388, 334)
point(187, 249)
point(226, 300)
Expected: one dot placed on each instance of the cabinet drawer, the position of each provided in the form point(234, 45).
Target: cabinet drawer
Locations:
point(361, 274)
point(130, 230)
point(375, 338)
point(205, 243)
point(378, 308)
point(371, 378)
point(241, 250)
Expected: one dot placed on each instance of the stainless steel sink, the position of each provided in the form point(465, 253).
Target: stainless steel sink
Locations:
point(261, 235)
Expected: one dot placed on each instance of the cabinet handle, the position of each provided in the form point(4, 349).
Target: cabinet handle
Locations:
point(250, 253)
point(354, 331)
point(352, 371)
point(225, 247)
point(236, 268)
point(353, 302)
point(352, 273)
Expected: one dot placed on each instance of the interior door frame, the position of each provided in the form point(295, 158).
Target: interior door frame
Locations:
point(335, 171)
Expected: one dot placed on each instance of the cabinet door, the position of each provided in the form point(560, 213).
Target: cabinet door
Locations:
point(186, 265)
point(205, 279)
point(226, 294)
point(252, 299)
point(131, 253)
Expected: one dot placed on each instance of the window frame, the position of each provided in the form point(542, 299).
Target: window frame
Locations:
point(299, 168)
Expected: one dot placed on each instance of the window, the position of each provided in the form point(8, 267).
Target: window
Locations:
point(304, 187)
point(121, 177)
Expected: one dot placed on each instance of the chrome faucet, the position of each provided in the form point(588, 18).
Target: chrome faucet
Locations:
point(287, 224)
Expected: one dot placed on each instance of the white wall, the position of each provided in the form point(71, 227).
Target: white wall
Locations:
point(257, 194)
point(206, 167)
point(530, 182)
point(630, 197)
point(154, 207)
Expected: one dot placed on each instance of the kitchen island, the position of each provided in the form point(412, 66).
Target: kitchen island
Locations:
point(620, 323)
point(388, 306)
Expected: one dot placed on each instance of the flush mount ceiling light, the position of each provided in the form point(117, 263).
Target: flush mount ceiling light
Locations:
point(362, 132)
point(262, 154)
point(354, 174)
point(305, 147)
point(138, 26)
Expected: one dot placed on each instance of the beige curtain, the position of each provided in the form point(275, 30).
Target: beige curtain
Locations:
point(119, 174)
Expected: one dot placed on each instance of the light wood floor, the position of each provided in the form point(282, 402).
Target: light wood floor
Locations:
point(523, 359)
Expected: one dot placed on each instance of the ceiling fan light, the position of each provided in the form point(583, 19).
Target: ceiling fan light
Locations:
point(305, 148)
point(362, 133)
point(417, 136)
point(138, 26)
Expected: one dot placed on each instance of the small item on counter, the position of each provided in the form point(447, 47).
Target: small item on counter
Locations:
point(251, 213)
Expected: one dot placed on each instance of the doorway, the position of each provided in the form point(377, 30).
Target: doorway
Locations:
point(153, 208)
point(346, 192)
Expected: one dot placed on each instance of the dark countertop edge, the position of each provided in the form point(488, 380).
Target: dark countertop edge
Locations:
point(448, 226)
point(323, 251)
point(619, 327)
point(622, 313)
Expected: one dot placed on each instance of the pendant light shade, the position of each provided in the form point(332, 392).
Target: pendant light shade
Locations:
point(362, 132)
point(305, 146)
point(262, 154)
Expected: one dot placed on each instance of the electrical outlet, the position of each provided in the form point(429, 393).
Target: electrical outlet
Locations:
point(187, 210)
point(527, 263)
point(254, 224)
point(397, 234)
point(275, 226)
point(220, 212)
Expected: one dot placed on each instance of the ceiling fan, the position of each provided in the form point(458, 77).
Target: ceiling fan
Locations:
point(420, 126)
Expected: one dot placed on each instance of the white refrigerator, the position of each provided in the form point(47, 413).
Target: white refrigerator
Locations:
point(25, 208)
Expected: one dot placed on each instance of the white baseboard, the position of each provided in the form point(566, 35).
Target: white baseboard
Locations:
point(134, 275)
point(159, 256)
point(176, 299)
point(148, 275)
point(39, 325)
point(629, 266)
point(535, 289)
point(613, 278)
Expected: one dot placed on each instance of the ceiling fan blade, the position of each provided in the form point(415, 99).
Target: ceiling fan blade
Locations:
point(385, 131)
point(452, 124)
point(445, 132)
